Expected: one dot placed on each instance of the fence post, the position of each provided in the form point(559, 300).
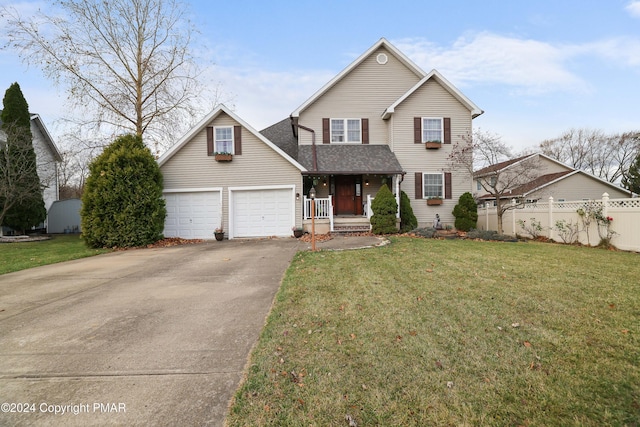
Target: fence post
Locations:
point(605, 205)
point(513, 216)
point(486, 215)
point(550, 217)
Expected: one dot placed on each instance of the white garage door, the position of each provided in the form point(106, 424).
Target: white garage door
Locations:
point(262, 213)
point(193, 215)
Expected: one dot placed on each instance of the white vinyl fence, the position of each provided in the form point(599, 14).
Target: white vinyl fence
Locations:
point(619, 220)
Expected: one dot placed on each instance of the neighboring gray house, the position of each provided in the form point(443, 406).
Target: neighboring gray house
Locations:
point(380, 121)
point(551, 179)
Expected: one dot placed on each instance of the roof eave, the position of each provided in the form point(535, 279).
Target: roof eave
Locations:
point(54, 149)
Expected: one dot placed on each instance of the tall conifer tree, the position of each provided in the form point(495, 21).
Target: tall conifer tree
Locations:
point(21, 202)
point(631, 180)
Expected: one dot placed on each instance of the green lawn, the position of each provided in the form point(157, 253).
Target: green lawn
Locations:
point(430, 332)
point(23, 255)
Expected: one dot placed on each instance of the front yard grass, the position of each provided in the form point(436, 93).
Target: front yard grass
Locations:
point(23, 255)
point(431, 332)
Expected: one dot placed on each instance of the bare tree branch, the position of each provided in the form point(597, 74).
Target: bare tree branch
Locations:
point(126, 63)
point(489, 160)
point(601, 155)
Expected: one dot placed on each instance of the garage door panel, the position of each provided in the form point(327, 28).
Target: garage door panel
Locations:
point(192, 215)
point(260, 213)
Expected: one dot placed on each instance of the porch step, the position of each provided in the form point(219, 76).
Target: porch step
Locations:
point(346, 229)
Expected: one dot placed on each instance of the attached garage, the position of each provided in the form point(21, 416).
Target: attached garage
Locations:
point(192, 214)
point(261, 212)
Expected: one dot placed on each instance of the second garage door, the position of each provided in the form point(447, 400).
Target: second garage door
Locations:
point(262, 213)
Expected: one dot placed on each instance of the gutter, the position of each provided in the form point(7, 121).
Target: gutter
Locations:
point(313, 142)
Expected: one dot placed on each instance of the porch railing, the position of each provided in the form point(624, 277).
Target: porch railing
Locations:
point(323, 209)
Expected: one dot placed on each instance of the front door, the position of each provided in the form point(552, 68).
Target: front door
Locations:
point(345, 195)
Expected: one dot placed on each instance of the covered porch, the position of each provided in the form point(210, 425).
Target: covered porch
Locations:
point(343, 202)
point(346, 178)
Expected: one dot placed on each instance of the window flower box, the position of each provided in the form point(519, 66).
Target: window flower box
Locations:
point(434, 201)
point(223, 157)
point(432, 145)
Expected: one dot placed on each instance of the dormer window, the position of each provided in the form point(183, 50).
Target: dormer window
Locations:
point(346, 130)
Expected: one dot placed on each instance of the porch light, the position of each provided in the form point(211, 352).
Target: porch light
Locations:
point(312, 193)
point(366, 182)
point(324, 183)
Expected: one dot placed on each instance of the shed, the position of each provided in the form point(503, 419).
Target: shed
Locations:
point(64, 216)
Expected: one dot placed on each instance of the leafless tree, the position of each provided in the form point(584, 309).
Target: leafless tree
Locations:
point(491, 162)
point(605, 156)
point(126, 64)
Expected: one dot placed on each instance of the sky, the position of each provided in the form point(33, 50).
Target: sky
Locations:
point(536, 68)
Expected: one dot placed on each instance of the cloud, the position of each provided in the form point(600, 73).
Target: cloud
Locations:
point(528, 66)
point(264, 97)
point(634, 9)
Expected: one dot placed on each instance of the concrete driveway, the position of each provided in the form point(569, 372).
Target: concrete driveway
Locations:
point(142, 337)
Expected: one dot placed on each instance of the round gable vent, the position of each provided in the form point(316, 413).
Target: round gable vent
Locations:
point(382, 58)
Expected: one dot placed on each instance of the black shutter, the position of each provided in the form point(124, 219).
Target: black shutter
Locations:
point(419, 186)
point(326, 132)
point(209, 141)
point(447, 130)
point(417, 130)
point(365, 131)
point(447, 185)
point(237, 140)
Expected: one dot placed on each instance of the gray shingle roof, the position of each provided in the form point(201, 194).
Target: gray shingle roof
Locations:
point(350, 159)
point(334, 159)
point(282, 135)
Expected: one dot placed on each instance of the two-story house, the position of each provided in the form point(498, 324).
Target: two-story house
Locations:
point(380, 121)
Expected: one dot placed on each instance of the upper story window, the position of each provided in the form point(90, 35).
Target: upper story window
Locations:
point(432, 129)
point(223, 140)
point(346, 130)
point(433, 185)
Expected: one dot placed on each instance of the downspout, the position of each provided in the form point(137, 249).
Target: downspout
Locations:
point(398, 198)
point(314, 154)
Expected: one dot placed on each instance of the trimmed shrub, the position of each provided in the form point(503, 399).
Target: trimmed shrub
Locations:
point(122, 204)
point(408, 220)
point(466, 212)
point(384, 208)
